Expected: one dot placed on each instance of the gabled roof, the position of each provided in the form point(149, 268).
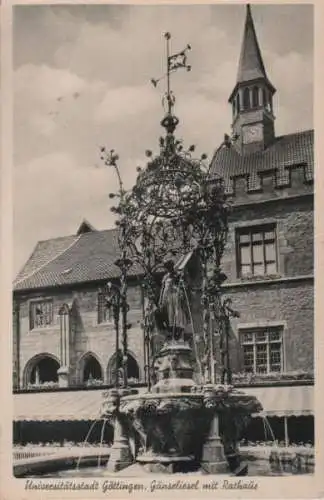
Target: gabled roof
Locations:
point(286, 151)
point(89, 256)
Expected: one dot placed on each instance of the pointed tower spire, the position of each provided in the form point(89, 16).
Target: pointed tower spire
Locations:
point(251, 64)
point(251, 98)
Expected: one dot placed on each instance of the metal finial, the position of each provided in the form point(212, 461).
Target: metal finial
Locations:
point(173, 63)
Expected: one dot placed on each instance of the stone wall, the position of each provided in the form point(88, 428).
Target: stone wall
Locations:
point(295, 233)
point(87, 336)
point(286, 298)
point(288, 305)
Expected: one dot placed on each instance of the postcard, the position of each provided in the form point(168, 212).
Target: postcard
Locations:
point(159, 245)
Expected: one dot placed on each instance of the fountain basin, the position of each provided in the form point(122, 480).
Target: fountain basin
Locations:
point(173, 427)
point(180, 422)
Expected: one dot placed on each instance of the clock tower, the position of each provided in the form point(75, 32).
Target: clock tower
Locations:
point(251, 98)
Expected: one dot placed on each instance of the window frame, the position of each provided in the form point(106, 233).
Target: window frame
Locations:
point(32, 313)
point(101, 318)
point(250, 231)
point(267, 342)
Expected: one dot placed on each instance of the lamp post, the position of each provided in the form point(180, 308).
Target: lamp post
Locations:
point(112, 302)
point(124, 224)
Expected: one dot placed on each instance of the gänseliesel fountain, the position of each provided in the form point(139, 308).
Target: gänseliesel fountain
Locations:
point(191, 417)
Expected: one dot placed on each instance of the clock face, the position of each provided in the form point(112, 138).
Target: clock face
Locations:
point(252, 133)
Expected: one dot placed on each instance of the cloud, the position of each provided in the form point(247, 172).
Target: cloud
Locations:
point(120, 104)
point(53, 194)
point(45, 84)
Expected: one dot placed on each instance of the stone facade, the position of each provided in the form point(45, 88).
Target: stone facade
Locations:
point(284, 299)
point(270, 182)
point(87, 336)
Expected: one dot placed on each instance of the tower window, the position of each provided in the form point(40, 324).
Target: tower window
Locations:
point(264, 97)
point(270, 103)
point(234, 107)
point(246, 98)
point(238, 104)
point(255, 97)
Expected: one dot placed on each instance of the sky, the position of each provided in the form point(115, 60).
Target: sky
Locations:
point(82, 80)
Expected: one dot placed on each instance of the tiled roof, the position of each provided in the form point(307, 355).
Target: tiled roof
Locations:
point(286, 151)
point(72, 259)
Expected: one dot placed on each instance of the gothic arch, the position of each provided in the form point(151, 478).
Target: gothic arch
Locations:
point(89, 365)
point(133, 367)
point(47, 365)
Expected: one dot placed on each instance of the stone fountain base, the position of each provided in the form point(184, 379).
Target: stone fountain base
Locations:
point(181, 427)
point(167, 464)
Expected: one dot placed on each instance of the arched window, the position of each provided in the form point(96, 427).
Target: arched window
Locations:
point(133, 372)
point(270, 103)
point(132, 368)
point(246, 98)
point(264, 98)
point(92, 369)
point(42, 371)
point(234, 107)
point(238, 104)
point(105, 311)
point(255, 97)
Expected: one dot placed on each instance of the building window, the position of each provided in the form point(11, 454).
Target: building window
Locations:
point(256, 251)
point(262, 350)
point(92, 371)
point(41, 314)
point(105, 313)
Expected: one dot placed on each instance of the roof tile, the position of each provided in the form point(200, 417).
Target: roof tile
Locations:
point(84, 258)
point(286, 151)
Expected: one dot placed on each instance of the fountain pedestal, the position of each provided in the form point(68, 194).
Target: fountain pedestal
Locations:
point(213, 457)
point(120, 453)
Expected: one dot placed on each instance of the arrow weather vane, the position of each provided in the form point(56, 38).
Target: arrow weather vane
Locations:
point(174, 62)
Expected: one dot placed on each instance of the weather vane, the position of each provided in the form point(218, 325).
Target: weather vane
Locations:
point(174, 62)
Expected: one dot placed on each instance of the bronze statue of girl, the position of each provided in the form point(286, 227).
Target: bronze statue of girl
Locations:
point(172, 312)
